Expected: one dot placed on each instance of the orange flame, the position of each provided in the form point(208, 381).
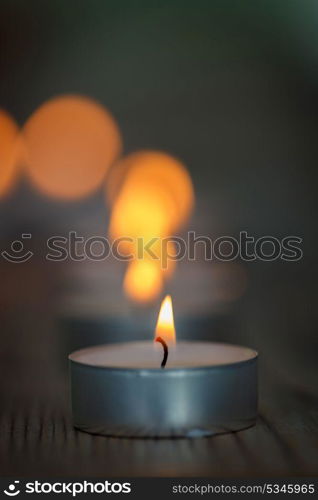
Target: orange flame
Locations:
point(165, 324)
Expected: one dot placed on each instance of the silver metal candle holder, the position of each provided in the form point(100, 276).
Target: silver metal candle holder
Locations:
point(170, 402)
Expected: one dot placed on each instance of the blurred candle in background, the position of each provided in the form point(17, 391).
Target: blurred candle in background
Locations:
point(10, 149)
point(151, 195)
point(71, 141)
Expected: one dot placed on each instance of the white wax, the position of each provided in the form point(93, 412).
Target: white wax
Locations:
point(140, 355)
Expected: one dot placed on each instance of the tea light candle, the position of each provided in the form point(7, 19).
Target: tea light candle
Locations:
point(204, 388)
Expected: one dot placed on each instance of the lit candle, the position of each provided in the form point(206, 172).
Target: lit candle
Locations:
point(144, 389)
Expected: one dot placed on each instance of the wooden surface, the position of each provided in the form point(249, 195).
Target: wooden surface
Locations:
point(37, 438)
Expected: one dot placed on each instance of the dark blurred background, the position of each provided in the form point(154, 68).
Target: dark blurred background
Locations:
point(231, 88)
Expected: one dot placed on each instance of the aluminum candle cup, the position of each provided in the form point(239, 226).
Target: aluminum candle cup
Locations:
point(206, 388)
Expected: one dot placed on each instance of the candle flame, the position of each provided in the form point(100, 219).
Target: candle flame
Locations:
point(165, 324)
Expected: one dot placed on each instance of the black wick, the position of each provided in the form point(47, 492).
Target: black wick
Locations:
point(165, 351)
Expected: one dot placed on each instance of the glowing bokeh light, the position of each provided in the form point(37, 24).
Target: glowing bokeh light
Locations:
point(71, 141)
point(143, 280)
point(152, 196)
point(141, 213)
point(10, 150)
point(155, 171)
